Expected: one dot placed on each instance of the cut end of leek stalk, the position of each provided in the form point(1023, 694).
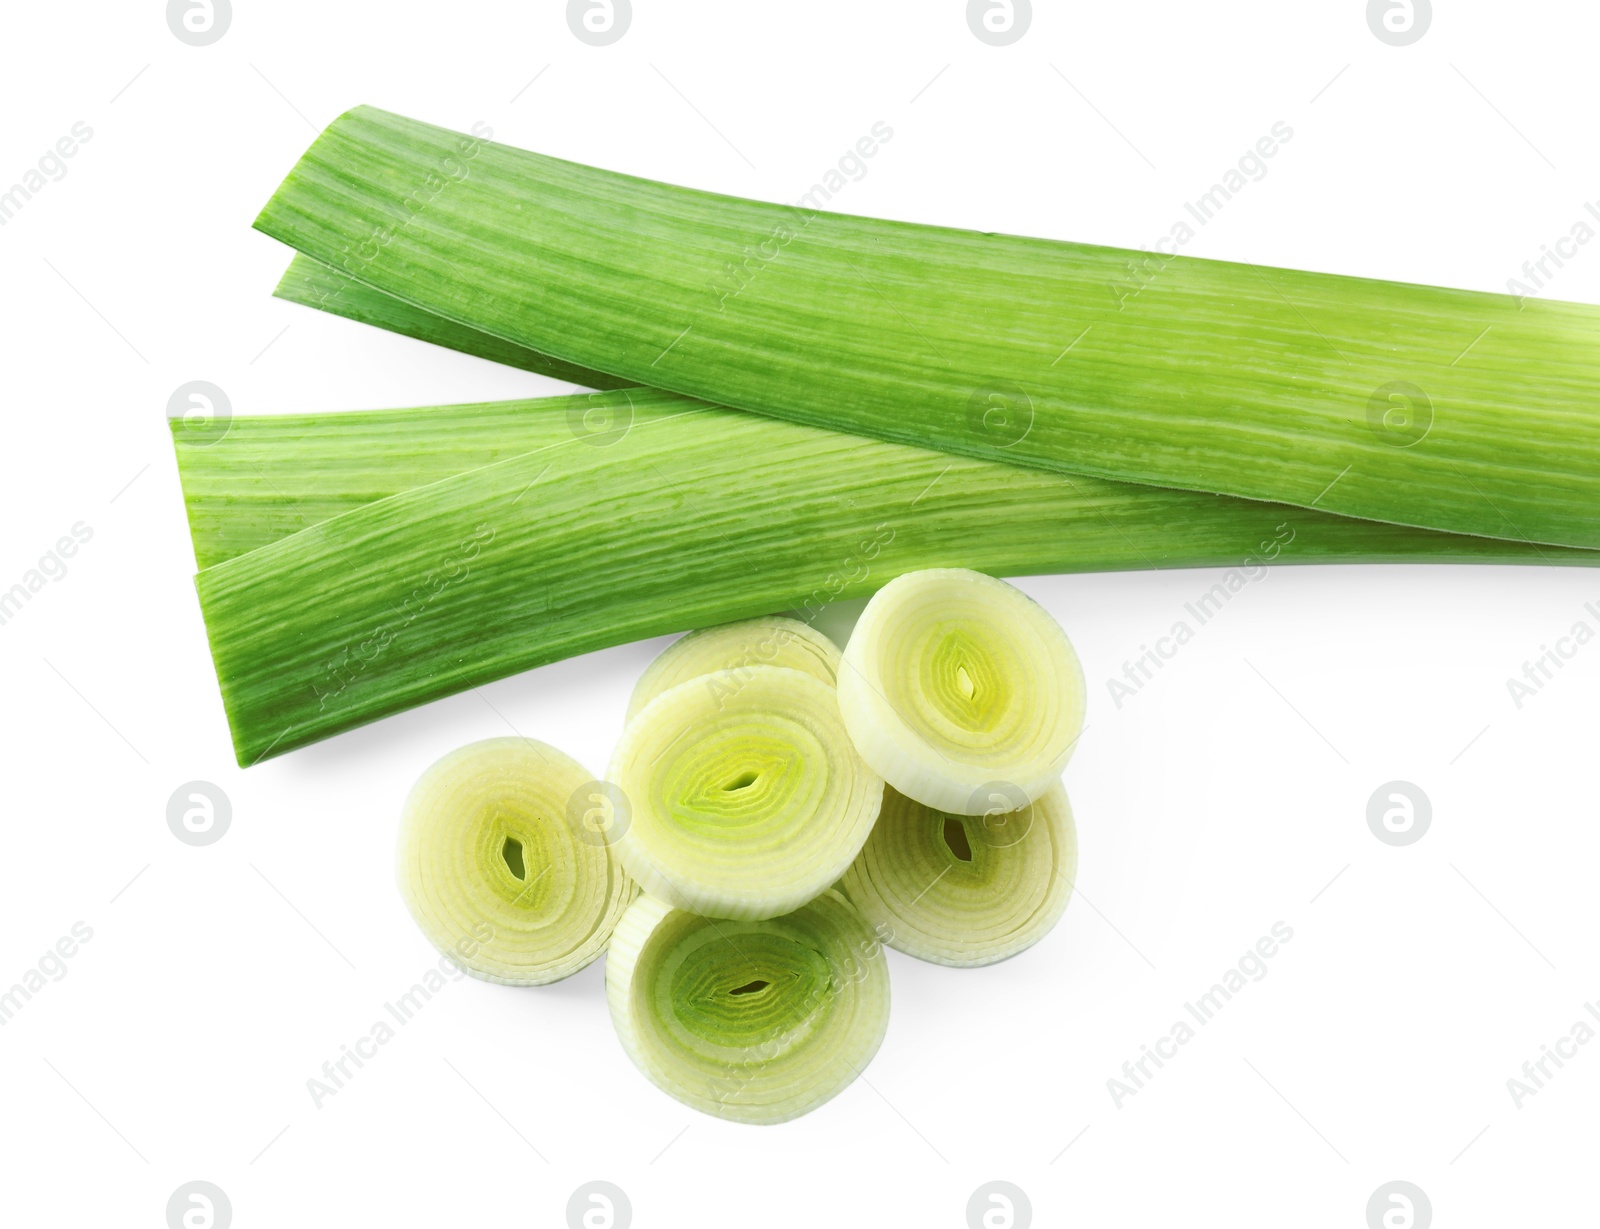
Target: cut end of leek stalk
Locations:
point(961, 691)
point(746, 803)
point(753, 1021)
point(724, 656)
point(496, 875)
point(965, 890)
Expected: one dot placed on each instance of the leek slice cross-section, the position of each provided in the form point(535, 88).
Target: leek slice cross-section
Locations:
point(965, 890)
point(724, 656)
point(496, 874)
point(754, 1021)
point(744, 805)
point(957, 687)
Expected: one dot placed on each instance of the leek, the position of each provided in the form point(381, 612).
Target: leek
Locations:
point(724, 656)
point(753, 1021)
point(495, 875)
point(315, 285)
point(1440, 408)
point(745, 802)
point(273, 475)
point(957, 687)
point(965, 890)
point(693, 517)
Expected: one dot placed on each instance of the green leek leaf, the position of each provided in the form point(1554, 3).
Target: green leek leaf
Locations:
point(684, 516)
point(1453, 410)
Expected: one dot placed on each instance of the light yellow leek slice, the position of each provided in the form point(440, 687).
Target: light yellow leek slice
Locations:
point(496, 874)
point(742, 805)
point(965, 890)
point(723, 656)
point(959, 689)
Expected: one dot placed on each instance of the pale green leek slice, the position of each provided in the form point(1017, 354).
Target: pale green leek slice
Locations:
point(722, 657)
point(1448, 409)
point(965, 890)
point(958, 688)
point(496, 871)
point(744, 804)
point(753, 1021)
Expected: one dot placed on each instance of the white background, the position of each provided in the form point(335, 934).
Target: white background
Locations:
point(1229, 794)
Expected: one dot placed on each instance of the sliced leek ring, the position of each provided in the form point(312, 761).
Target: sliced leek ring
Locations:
point(723, 656)
point(742, 805)
point(494, 872)
point(753, 1021)
point(956, 687)
point(965, 890)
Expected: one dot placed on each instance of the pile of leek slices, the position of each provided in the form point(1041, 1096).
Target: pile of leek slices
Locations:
point(775, 814)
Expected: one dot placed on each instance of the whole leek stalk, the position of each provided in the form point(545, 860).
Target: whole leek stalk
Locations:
point(1447, 409)
point(678, 516)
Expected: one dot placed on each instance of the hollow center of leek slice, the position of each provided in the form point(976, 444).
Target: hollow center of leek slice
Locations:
point(512, 841)
point(747, 989)
point(739, 776)
point(511, 851)
point(955, 838)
